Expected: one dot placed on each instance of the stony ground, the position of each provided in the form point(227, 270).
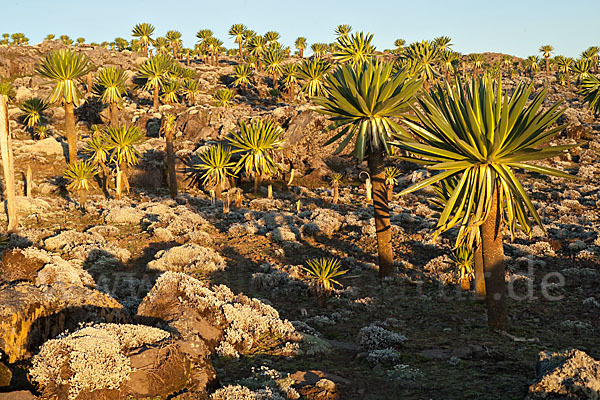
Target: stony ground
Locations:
point(413, 336)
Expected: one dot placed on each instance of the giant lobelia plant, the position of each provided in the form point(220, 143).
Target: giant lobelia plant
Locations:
point(63, 68)
point(363, 99)
point(590, 89)
point(256, 142)
point(481, 136)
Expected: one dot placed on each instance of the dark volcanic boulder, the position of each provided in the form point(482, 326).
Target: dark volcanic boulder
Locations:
point(228, 323)
point(195, 126)
point(173, 300)
point(5, 375)
point(29, 314)
point(18, 395)
point(16, 265)
point(18, 61)
point(568, 374)
point(111, 361)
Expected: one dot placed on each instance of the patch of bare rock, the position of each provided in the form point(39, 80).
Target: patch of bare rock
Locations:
point(568, 374)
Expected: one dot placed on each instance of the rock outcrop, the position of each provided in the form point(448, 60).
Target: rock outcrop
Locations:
point(214, 315)
point(29, 314)
point(568, 374)
point(109, 361)
point(188, 258)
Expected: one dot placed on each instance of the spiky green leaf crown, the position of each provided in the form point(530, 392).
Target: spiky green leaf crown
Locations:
point(364, 99)
point(64, 67)
point(479, 136)
point(256, 141)
point(110, 84)
point(121, 142)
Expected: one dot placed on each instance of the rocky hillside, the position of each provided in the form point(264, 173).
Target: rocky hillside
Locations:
point(187, 298)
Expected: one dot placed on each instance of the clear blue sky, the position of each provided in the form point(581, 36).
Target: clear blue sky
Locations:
point(516, 27)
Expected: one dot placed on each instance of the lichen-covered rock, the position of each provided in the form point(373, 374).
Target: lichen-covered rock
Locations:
point(266, 204)
point(213, 314)
point(374, 337)
point(170, 221)
point(124, 215)
point(67, 240)
point(104, 230)
point(272, 220)
point(263, 384)
point(184, 221)
point(188, 258)
point(29, 314)
point(17, 265)
point(285, 281)
point(29, 205)
point(568, 374)
point(241, 229)
point(41, 267)
point(49, 146)
point(233, 392)
point(89, 247)
point(163, 235)
point(65, 273)
point(323, 221)
point(283, 234)
point(111, 361)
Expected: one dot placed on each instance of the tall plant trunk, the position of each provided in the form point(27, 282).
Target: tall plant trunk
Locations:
point(70, 132)
point(105, 177)
point(336, 193)
point(146, 48)
point(382, 214)
point(301, 53)
point(89, 82)
point(28, 182)
point(368, 190)
point(114, 120)
point(226, 204)
point(119, 183)
point(171, 165)
point(82, 199)
point(241, 54)
point(8, 167)
point(256, 183)
point(547, 66)
point(479, 275)
point(155, 104)
point(124, 180)
point(188, 58)
point(493, 265)
point(321, 295)
point(465, 283)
